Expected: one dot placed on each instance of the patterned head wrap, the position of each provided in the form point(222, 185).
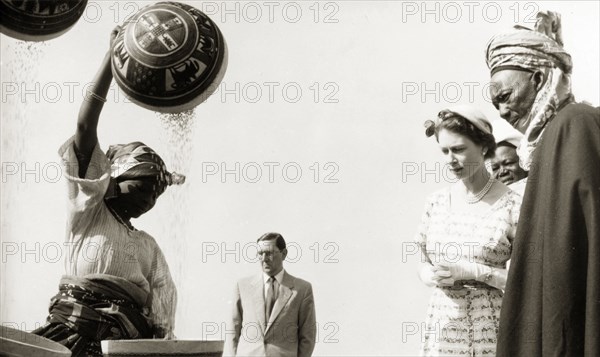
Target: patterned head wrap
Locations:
point(542, 50)
point(528, 49)
point(136, 161)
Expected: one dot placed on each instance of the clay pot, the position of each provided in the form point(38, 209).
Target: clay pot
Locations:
point(39, 20)
point(169, 57)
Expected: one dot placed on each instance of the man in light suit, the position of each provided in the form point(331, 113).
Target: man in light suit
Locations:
point(274, 312)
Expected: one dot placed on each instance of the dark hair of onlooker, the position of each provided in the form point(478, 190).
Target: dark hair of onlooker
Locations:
point(278, 238)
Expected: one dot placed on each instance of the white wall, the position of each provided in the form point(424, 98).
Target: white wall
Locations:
point(372, 65)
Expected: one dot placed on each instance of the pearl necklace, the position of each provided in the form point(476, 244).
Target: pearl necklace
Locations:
point(471, 199)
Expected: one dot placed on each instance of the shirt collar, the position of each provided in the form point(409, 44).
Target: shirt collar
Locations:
point(278, 277)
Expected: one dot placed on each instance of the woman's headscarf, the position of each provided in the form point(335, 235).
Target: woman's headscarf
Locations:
point(136, 161)
point(540, 49)
point(470, 113)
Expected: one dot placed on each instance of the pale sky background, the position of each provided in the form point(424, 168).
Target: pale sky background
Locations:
point(381, 68)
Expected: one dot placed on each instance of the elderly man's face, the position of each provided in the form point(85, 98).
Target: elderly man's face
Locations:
point(513, 93)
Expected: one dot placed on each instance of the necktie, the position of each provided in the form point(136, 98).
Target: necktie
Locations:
point(270, 300)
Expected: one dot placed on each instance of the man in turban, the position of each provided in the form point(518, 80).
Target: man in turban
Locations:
point(552, 301)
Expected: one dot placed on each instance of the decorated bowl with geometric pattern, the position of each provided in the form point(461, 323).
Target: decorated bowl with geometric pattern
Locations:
point(39, 20)
point(169, 57)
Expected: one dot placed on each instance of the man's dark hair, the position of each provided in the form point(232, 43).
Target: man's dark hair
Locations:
point(278, 238)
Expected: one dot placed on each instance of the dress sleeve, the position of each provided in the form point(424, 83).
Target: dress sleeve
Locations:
point(423, 228)
point(84, 193)
point(162, 298)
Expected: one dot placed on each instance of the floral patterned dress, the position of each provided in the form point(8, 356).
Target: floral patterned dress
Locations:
point(463, 319)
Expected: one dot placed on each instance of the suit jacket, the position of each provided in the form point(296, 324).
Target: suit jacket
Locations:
point(291, 329)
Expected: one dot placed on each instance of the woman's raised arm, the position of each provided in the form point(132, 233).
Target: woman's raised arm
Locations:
point(86, 136)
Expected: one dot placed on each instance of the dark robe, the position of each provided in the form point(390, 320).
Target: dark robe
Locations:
point(551, 305)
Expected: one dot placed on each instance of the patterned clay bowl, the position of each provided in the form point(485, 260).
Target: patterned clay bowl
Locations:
point(169, 57)
point(39, 20)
